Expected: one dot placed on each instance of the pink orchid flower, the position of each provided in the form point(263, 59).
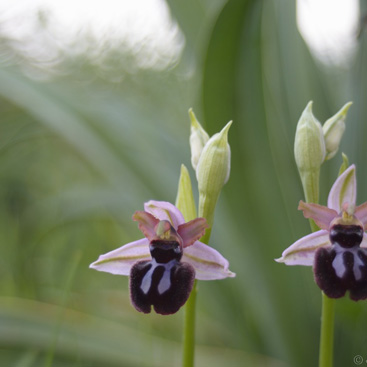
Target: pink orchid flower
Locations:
point(338, 251)
point(163, 265)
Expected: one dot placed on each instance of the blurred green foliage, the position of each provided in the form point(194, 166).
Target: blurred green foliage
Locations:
point(80, 152)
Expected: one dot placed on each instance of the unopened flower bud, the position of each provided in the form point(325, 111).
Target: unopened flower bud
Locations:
point(309, 145)
point(212, 172)
point(198, 139)
point(309, 151)
point(333, 130)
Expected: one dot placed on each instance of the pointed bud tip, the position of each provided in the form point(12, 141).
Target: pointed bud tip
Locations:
point(345, 158)
point(226, 128)
point(309, 146)
point(307, 116)
point(309, 111)
point(344, 165)
point(184, 169)
point(345, 108)
point(193, 118)
point(224, 132)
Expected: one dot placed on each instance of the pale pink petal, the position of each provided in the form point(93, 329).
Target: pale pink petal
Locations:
point(303, 251)
point(121, 260)
point(147, 223)
point(344, 190)
point(192, 231)
point(320, 214)
point(209, 264)
point(164, 210)
point(364, 241)
point(361, 214)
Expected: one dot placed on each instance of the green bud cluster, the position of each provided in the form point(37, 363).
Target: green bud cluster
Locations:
point(314, 144)
point(211, 160)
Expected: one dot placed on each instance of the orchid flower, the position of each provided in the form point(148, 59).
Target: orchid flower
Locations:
point(338, 251)
point(163, 265)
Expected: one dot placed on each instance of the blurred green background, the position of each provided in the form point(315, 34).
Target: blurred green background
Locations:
point(85, 142)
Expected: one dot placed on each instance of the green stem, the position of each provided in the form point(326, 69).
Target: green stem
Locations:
point(327, 312)
point(327, 332)
point(186, 203)
point(189, 330)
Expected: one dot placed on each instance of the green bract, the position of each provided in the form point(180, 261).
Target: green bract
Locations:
point(314, 144)
point(185, 199)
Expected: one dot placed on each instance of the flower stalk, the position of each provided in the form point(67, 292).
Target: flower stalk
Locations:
point(186, 204)
point(313, 145)
point(163, 266)
point(326, 332)
point(328, 314)
point(189, 329)
point(210, 158)
point(327, 304)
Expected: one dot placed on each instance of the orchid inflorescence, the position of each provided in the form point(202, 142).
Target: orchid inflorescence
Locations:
point(164, 264)
point(337, 248)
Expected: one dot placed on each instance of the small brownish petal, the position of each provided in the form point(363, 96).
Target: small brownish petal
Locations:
point(322, 215)
point(192, 231)
point(147, 223)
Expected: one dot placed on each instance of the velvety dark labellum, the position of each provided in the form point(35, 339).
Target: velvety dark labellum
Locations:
point(165, 251)
point(339, 270)
point(165, 286)
point(343, 267)
point(346, 236)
